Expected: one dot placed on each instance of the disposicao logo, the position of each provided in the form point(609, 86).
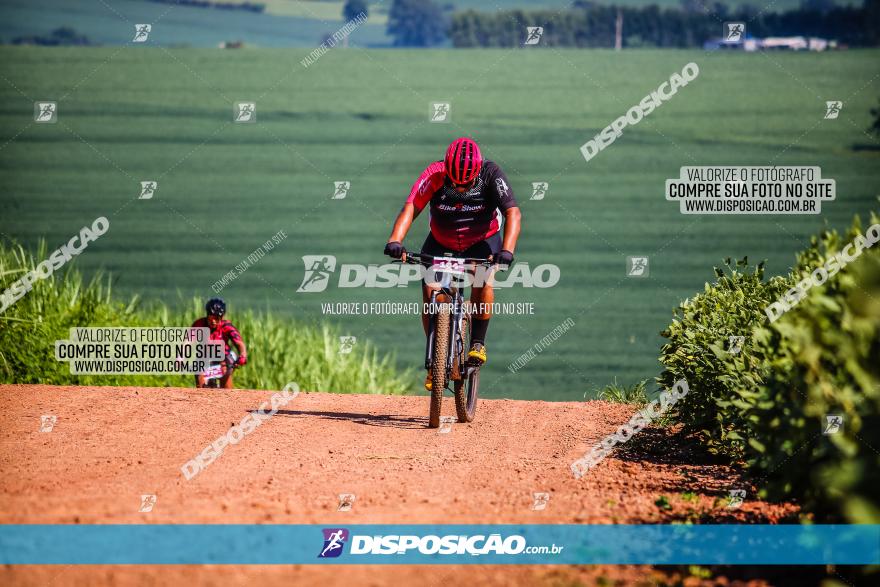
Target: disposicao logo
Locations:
point(320, 268)
point(334, 541)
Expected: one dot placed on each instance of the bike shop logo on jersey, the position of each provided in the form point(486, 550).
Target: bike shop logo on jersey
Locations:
point(503, 189)
point(334, 542)
point(318, 271)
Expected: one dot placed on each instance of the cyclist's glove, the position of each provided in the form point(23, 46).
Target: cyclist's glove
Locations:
point(504, 258)
point(394, 250)
point(242, 360)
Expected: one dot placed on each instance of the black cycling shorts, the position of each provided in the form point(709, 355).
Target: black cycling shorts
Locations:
point(481, 250)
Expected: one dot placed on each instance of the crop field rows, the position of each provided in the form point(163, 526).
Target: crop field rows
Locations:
point(128, 115)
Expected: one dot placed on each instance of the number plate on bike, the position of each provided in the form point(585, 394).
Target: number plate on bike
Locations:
point(213, 372)
point(449, 265)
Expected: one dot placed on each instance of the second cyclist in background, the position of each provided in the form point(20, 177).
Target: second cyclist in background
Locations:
point(222, 329)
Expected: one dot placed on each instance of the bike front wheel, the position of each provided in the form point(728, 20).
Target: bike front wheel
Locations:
point(442, 323)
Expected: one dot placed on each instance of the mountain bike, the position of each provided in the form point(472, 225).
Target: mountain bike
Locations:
point(449, 335)
point(215, 371)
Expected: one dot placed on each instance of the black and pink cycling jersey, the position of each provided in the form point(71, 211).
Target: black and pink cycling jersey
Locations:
point(225, 331)
point(461, 219)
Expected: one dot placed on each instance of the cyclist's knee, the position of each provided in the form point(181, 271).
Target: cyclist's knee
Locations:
point(482, 291)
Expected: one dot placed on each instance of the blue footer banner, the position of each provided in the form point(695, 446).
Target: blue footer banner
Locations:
point(440, 544)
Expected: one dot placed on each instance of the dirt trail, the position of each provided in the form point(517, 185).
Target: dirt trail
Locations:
point(109, 446)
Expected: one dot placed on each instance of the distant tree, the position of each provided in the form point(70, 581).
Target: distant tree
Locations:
point(66, 34)
point(354, 7)
point(416, 23)
point(593, 25)
point(61, 36)
point(693, 5)
point(720, 10)
point(875, 128)
point(748, 12)
point(821, 6)
point(872, 21)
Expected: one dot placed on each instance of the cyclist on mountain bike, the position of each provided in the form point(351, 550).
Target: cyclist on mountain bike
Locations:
point(467, 197)
point(223, 330)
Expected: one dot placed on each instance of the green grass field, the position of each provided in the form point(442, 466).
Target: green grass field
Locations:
point(133, 114)
point(299, 24)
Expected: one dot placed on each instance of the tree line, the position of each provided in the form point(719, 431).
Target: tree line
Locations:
point(586, 24)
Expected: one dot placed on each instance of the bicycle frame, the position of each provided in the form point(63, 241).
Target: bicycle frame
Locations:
point(457, 301)
point(448, 289)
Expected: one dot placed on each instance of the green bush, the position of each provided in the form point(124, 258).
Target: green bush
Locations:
point(824, 359)
point(722, 383)
point(279, 350)
point(767, 404)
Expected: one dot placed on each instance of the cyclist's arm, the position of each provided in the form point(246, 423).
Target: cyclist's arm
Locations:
point(242, 351)
point(419, 196)
point(506, 202)
point(512, 218)
point(231, 333)
point(404, 220)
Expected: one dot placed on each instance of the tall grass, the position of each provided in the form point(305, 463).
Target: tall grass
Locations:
point(279, 350)
point(637, 393)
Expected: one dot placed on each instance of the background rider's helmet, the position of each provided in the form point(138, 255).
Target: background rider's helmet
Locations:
point(463, 161)
point(215, 307)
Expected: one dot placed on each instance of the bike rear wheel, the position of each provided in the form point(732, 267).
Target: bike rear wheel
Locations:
point(467, 379)
point(466, 395)
point(442, 323)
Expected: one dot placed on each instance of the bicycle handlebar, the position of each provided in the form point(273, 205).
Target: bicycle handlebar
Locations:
point(426, 260)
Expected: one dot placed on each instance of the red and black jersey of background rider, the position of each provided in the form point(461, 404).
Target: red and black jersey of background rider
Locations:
point(225, 331)
point(460, 220)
